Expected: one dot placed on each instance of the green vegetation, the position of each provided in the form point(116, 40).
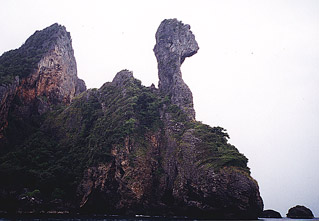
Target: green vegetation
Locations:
point(75, 137)
point(72, 138)
point(215, 150)
point(34, 193)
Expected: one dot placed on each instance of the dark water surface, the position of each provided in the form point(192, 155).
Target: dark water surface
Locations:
point(119, 218)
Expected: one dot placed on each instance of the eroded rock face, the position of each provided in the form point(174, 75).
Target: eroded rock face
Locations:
point(55, 77)
point(175, 42)
point(53, 80)
point(201, 191)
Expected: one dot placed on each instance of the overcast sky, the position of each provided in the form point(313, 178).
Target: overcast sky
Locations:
point(256, 73)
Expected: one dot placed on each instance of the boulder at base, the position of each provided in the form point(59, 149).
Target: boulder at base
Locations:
point(300, 212)
point(269, 213)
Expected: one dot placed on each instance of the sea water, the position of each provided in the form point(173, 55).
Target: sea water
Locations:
point(137, 218)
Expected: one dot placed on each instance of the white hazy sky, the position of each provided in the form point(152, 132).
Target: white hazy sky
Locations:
point(256, 73)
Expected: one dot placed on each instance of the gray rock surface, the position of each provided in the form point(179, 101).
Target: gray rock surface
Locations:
point(122, 77)
point(175, 42)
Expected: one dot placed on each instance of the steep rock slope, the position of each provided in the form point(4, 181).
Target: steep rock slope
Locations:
point(130, 149)
point(41, 73)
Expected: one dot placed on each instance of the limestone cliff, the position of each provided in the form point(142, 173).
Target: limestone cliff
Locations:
point(175, 42)
point(123, 148)
point(48, 76)
point(170, 165)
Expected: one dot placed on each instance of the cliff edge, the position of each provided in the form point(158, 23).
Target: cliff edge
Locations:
point(40, 74)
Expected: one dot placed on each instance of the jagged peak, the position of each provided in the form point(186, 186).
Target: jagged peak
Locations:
point(23, 61)
point(122, 77)
point(46, 38)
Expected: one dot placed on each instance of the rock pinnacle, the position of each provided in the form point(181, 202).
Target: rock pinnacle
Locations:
point(175, 42)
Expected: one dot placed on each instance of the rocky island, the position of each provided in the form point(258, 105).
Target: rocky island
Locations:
point(121, 149)
point(269, 213)
point(300, 212)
